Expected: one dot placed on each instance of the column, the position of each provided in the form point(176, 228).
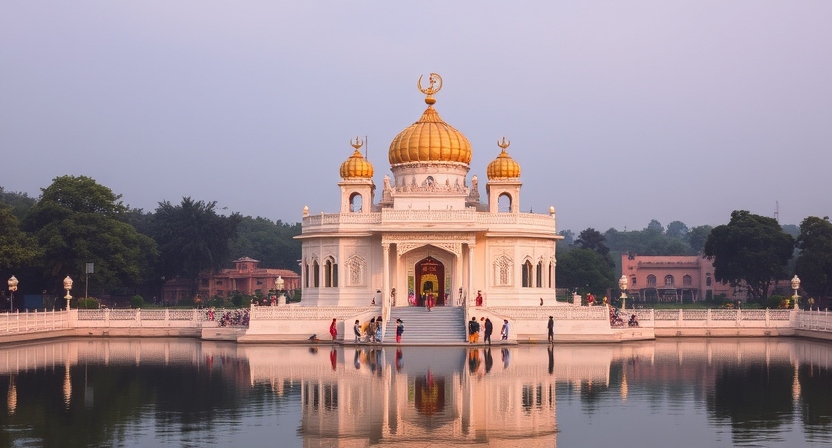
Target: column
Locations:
point(470, 269)
point(385, 278)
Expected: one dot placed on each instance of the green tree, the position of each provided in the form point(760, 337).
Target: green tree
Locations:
point(77, 221)
point(272, 243)
point(750, 248)
point(677, 230)
point(697, 237)
point(192, 237)
point(814, 263)
point(593, 240)
point(17, 248)
point(585, 269)
point(20, 203)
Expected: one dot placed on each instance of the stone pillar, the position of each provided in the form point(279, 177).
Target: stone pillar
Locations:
point(470, 270)
point(385, 278)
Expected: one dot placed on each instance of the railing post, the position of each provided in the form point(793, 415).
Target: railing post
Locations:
point(107, 318)
point(708, 319)
point(767, 317)
point(139, 316)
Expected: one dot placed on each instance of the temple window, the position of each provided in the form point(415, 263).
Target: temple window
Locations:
point(330, 273)
point(687, 280)
point(651, 281)
point(504, 203)
point(539, 275)
point(316, 274)
point(527, 274)
point(668, 280)
point(356, 201)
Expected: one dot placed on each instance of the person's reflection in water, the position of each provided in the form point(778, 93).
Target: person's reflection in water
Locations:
point(489, 361)
point(399, 360)
point(379, 361)
point(333, 358)
point(356, 361)
point(551, 359)
point(473, 360)
point(505, 354)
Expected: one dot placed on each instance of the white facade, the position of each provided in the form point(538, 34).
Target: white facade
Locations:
point(428, 233)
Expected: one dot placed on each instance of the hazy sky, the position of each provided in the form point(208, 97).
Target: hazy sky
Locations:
point(618, 112)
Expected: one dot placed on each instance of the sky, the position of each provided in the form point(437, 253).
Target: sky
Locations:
point(618, 112)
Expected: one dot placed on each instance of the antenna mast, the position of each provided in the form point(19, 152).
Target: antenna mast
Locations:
point(777, 211)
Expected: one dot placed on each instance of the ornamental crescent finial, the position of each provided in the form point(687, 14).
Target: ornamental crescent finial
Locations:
point(503, 143)
point(432, 87)
point(357, 143)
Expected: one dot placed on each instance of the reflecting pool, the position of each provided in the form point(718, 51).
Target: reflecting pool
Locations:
point(181, 392)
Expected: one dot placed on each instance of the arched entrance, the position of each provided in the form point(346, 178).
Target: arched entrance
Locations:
point(430, 279)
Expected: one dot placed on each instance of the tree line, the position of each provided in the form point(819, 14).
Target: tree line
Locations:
point(76, 221)
point(750, 249)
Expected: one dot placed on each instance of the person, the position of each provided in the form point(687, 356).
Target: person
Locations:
point(489, 328)
point(633, 322)
point(371, 330)
point(551, 327)
point(333, 329)
point(357, 330)
point(429, 301)
point(504, 330)
point(479, 298)
point(399, 330)
point(379, 329)
point(473, 330)
point(606, 301)
point(590, 300)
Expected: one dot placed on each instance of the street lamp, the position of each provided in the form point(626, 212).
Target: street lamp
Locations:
point(795, 287)
point(623, 282)
point(12, 288)
point(278, 289)
point(67, 286)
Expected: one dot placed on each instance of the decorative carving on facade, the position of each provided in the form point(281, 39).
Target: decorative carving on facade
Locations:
point(503, 267)
point(356, 267)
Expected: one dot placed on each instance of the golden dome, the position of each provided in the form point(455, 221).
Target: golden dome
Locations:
point(503, 167)
point(430, 139)
point(356, 167)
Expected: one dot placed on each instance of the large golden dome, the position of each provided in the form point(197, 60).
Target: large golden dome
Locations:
point(356, 167)
point(503, 167)
point(430, 139)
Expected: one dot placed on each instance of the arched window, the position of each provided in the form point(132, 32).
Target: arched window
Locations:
point(551, 274)
point(330, 273)
point(708, 281)
point(632, 280)
point(539, 275)
point(306, 275)
point(651, 281)
point(668, 280)
point(504, 203)
point(316, 274)
point(356, 202)
point(527, 274)
point(687, 280)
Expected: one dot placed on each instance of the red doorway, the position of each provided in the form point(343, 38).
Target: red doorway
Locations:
point(430, 279)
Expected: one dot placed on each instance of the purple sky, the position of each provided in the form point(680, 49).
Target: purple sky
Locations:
point(618, 112)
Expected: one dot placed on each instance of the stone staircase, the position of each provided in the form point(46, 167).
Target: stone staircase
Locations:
point(440, 325)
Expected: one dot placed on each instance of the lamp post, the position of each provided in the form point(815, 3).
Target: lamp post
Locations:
point(795, 287)
point(278, 289)
point(623, 282)
point(67, 287)
point(12, 288)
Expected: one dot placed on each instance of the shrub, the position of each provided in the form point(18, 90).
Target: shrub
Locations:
point(90, 303)
point(137, 301)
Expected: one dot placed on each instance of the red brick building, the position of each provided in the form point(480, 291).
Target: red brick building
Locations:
point(246, 277)
point(674, 279)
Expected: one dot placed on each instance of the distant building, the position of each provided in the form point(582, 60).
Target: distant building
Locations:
point(674, 279)
point(246, 277)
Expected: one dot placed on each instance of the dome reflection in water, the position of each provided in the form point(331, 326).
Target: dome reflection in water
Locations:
point(670, 392)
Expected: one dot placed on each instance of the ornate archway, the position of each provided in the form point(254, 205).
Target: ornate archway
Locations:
point(430, 279)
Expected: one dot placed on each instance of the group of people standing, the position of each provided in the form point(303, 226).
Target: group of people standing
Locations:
point(373, 330)
point(487, 328)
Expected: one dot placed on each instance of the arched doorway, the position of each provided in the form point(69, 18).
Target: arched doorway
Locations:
point(430, 279)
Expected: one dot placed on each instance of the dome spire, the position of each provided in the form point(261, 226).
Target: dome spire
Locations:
point(432, 88)
point(356, 167)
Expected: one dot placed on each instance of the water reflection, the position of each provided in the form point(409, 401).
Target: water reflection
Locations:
point(138, 392)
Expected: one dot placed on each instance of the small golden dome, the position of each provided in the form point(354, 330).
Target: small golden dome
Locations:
point(356, 167)
point(503, 167)
point(430, 139)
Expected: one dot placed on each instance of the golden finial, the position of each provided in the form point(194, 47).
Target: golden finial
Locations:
point(432, 88)
point(357, 143)
point(503, 143)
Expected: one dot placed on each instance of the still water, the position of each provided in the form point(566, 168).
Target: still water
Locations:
point(181, 392)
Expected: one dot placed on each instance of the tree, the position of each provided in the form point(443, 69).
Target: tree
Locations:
point(697, 237)
point(77, 221)
point(17, 248)
point(655, 226)
point(270, 242)
point(585, 269)
point(750, 248)
point(568, 239)
point(814, 264)
point(192, 237)
point(677, 230)
point(593, 240)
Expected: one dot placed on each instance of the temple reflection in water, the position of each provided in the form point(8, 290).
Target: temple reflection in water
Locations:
point(414, 396)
